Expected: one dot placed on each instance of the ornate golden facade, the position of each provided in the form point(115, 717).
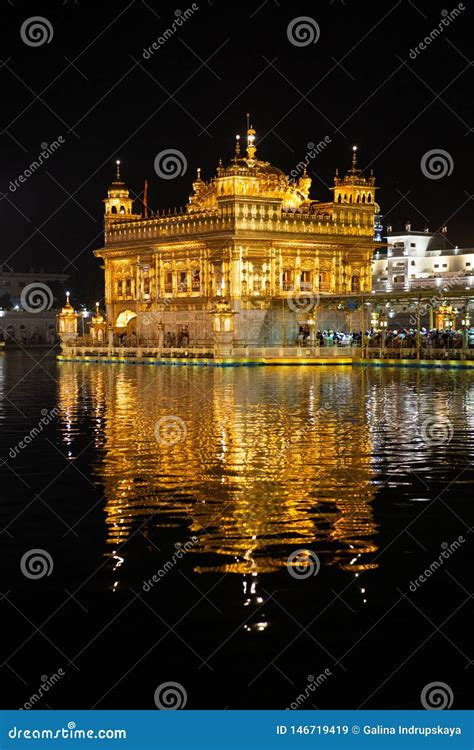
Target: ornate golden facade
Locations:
point(250, 235)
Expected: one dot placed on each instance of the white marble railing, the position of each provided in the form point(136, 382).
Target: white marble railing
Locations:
point(265, 352)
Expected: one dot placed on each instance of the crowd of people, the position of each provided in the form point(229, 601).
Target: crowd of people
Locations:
point(405, 338)
point(401, 338)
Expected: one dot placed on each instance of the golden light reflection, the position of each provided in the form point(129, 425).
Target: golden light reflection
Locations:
point(271, 460)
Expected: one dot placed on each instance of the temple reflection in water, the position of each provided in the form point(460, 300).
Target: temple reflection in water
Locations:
point(269, 459)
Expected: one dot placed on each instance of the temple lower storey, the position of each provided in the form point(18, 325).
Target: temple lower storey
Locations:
point(261, 322)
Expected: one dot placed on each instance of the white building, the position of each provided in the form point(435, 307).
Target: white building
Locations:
point(421, 260)
point(18, 327)
point(12, 284)
point(27, 314)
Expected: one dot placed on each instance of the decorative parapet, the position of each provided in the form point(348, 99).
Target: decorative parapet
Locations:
point(183, 225)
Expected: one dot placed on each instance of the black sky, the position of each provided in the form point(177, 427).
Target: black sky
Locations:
point(356, 84)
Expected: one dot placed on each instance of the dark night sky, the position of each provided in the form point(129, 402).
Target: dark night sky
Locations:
point(357, 84)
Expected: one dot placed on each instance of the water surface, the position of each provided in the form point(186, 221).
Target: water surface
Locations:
point(170, 499)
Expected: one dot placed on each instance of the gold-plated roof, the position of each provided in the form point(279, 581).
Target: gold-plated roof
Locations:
point(68, 308)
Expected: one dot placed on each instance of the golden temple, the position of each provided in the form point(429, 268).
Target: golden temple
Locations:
point(250, 235)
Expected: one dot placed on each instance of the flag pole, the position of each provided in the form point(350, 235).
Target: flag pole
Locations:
point(145, 199)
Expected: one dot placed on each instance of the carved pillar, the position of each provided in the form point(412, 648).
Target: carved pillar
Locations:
point(174, 275)
point(107, 285)
point(316, 274)
point(368, 271)
point(363, 279)
point(297, 280)
point(207, 274)
point(136, 291)
point(157, 290)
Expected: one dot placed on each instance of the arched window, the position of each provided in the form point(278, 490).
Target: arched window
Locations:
point(363, 198)
point(113, 209)
point(305, 281)
point(355, 284)
point(339, 198)
point(350, 198)
point(369, 197)
point(122, 209)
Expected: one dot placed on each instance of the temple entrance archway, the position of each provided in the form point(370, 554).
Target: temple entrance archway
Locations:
point(126, 322)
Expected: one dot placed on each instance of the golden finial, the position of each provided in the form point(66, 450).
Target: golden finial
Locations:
point(237, 146)
point(251, 148)
point(199, 173)
point(68, 308)
point(354, 157)
point(97, 308)
point(118, 169)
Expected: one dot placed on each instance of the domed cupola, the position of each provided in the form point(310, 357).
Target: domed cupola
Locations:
point(118, 203)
